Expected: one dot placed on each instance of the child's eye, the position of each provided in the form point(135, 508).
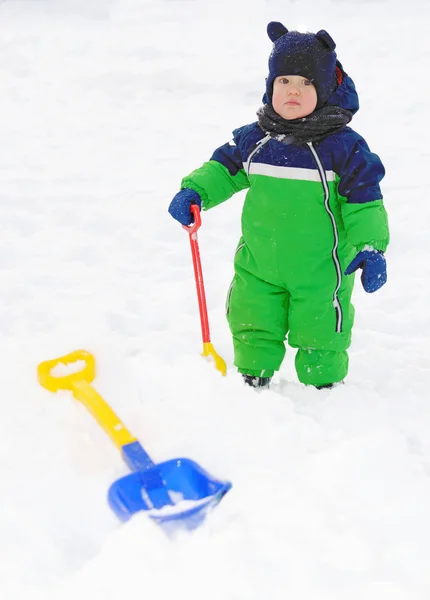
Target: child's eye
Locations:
point(283, 80)
point(307, 82)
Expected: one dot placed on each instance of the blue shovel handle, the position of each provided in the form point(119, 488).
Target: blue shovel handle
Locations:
point(136, 458)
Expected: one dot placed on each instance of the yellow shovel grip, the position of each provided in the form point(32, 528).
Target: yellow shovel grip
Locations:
point(66, 382)
point(79, 384)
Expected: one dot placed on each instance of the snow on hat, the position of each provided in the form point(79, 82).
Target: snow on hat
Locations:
point(310, 55)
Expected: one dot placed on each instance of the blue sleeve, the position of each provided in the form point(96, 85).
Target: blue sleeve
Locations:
point(229, 154)
point(360, 173)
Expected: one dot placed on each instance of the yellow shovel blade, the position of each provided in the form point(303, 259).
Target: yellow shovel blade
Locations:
point(220, 364)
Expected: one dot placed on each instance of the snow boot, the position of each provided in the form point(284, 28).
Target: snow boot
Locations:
point(256, 382)
point(328, 386)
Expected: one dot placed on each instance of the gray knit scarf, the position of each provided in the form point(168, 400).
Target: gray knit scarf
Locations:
point(313, 128)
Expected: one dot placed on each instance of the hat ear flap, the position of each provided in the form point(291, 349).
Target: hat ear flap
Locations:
point(275, 30)
point(326, 39)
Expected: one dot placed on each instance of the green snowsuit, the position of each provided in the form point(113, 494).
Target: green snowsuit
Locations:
point(308, 211)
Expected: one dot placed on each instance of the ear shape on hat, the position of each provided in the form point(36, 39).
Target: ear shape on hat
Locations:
point(275, 30)
point(326, 39)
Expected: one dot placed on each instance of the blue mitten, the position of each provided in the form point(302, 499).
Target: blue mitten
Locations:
point(374, 267)
point(180, 206)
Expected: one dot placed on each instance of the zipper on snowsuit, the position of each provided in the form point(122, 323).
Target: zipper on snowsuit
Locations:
point(334, 253)
point(253, 152)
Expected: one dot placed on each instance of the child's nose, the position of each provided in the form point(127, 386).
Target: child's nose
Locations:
point(294, 90)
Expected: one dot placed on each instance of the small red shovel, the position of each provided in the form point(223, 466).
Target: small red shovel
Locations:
point(208, 349)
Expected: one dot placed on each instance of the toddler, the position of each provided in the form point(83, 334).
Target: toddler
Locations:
point(312, 216)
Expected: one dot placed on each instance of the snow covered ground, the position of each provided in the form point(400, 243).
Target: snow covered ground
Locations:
point(104, 106)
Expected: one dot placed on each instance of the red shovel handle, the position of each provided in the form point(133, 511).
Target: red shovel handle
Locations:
point(192, 230)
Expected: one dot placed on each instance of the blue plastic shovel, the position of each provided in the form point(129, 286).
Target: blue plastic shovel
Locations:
point(177, 490)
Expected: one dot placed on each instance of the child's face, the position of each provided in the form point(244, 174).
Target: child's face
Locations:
point(293, 96)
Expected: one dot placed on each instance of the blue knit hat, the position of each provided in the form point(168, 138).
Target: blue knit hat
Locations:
point(310, 55)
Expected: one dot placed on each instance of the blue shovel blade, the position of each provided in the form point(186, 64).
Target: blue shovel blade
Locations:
point(175, 490)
